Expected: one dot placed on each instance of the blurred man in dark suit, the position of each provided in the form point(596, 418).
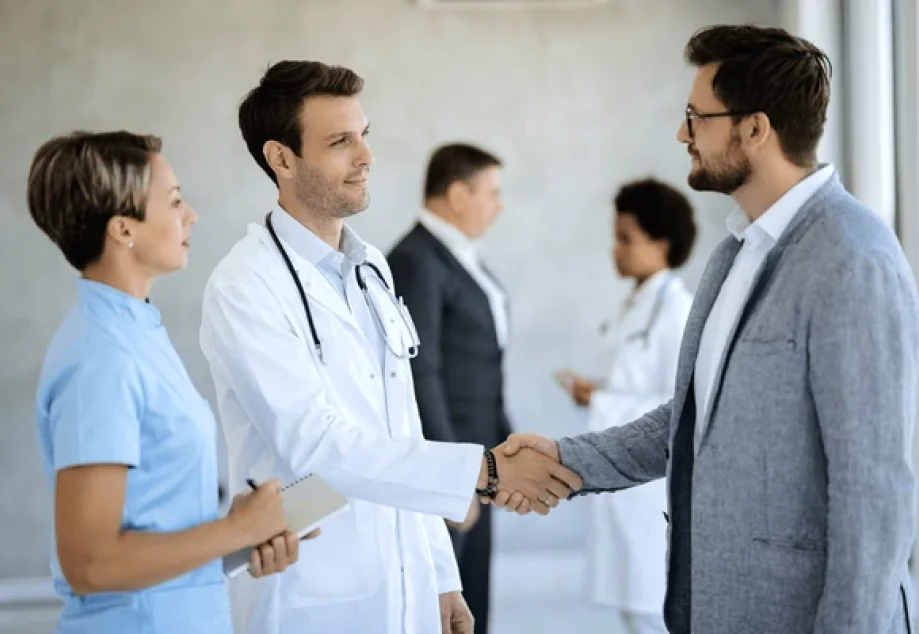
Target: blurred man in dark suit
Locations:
point(460, 311)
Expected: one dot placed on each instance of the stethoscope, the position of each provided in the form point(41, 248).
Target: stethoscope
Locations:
point(656, 309)
point(408, 352)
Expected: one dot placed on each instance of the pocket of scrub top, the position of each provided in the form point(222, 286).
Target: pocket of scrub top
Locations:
point(201, 609)
point(101, 614)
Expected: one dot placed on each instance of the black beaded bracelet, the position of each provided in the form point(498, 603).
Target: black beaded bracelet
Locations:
point(491, 488)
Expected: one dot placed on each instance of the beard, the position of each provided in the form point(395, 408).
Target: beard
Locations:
point(333, 199)
point(728, 173)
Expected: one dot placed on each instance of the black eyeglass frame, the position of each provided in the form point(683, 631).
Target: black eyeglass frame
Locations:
point(692, 114)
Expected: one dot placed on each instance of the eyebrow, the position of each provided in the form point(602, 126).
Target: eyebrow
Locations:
point(336, 135)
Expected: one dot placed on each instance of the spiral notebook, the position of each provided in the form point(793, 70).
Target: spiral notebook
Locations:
point(308, 503)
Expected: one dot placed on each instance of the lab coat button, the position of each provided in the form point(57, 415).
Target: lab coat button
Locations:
point(393, 375)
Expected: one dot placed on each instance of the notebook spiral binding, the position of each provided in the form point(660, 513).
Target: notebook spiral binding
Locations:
point(296, 482)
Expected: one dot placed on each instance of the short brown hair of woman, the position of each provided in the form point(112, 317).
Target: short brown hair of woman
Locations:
point(768, 70)
point(78, 182)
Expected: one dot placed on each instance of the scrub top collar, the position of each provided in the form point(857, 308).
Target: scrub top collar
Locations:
point(104, 299)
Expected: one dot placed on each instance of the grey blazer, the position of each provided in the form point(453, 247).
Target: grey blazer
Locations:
point(796, 514)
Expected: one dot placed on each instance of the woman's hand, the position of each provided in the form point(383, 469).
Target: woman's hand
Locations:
point(581, 390)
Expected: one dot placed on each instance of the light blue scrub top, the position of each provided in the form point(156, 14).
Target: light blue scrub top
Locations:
point(113, 390)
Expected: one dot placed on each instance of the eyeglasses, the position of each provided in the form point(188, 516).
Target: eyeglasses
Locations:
point(692, 114)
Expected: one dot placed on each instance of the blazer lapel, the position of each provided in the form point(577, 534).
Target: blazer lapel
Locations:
point(798, 226)
point(470, 287)
point(709, 286)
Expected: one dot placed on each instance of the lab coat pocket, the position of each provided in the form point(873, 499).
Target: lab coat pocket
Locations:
point(346, 562)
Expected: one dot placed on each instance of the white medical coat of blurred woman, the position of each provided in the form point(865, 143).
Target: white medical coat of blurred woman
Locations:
point(654, 234)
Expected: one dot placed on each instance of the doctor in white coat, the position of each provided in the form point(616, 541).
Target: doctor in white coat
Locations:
point(654, 234)
point(309, 352)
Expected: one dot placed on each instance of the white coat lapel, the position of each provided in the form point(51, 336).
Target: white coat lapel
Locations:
point(638, 317)
point(316, 287)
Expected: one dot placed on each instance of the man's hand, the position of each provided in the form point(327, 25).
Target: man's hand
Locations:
point(471, 518)
point(514, 500)
point(529, 466)
point(455, 617)
point(277, 554)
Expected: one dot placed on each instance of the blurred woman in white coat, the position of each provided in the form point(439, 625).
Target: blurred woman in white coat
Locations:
point(654, 234)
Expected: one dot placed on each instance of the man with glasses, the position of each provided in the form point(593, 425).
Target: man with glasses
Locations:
point(787, 443)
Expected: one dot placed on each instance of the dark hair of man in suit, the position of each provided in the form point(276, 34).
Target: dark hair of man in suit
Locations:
point(663, 213)
point(455, 162)
point(767, 70)
point(271, 110)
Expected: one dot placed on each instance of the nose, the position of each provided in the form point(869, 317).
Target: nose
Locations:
point(682, 133)
point(366, 158)
point(192, 216)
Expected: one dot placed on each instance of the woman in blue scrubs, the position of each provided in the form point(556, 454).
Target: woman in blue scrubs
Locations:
point(127, 442)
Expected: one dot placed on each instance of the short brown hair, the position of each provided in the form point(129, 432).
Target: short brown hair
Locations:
point(455, 162)
point(768, 70)
point(270, 111)
point(80, 181)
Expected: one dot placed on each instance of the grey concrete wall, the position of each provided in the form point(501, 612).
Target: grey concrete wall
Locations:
point(575, 101)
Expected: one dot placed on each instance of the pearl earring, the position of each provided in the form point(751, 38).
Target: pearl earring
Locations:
point(131, 244)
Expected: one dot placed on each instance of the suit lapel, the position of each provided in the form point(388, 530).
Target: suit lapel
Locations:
point(467, 283)
point(806, 216)
point(709, 286)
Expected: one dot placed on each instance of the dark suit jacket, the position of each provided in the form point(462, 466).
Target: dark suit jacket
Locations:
point(458, 373)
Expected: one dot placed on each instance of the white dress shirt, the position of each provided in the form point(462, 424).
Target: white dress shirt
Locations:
point(757, 240)
point(336, 266)
point(466, 250)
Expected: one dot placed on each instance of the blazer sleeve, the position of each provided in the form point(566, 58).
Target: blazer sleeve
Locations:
point(421, 286)
point(620, 457)
point(862, 350)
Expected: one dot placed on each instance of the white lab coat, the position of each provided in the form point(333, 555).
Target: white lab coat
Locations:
point(375, 569)
point(627, 530)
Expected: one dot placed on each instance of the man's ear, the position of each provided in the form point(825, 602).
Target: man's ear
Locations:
point(757, 129)
point(457, 193)
point(279, 158)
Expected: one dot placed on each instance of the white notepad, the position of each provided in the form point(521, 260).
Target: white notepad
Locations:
point(308, 503)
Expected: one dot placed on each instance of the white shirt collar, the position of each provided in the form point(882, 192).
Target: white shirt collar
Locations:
point(776, 219)
point(311, 247)
point(454, 239)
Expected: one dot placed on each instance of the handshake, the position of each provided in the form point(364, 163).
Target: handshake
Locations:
point(530, 475)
